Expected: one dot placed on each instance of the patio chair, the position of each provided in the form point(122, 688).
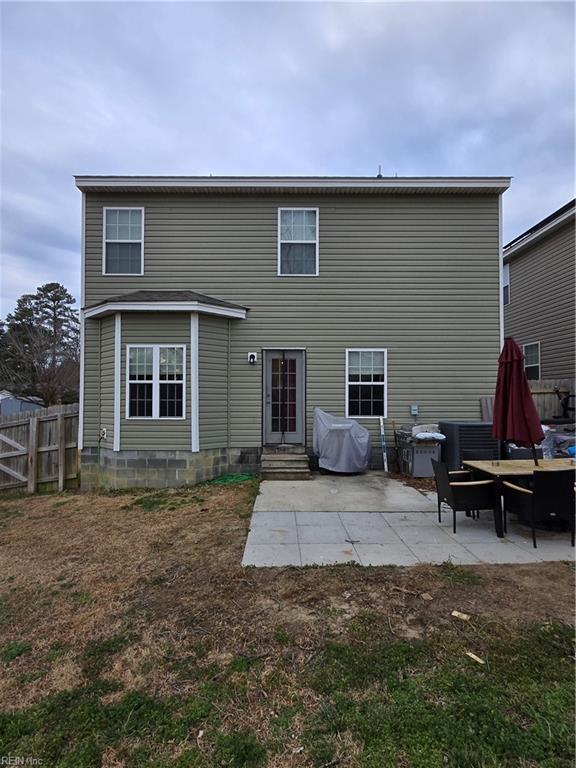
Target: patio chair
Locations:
point(552, 499)
point(461, 494)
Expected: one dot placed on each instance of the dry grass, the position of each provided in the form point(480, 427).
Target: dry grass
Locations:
point(146, 591)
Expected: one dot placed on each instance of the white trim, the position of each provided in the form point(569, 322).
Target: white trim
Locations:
point(164, 306)
point(298, 242)
point(117, 377)
point(104, 241)
point(81, 393)
point(510, 250)
point(295, 182)
point(81, 313)
point(281, 347)
point(155, 382)
point(500, 269)
point(359, 383)
point(533, 365)
point(194, 414)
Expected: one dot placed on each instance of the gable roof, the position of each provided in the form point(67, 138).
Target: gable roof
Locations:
point(166, 301)
point(316, 184)
point(540, 230)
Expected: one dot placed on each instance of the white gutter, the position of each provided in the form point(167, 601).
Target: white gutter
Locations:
point(164, 306)
point(500, 183)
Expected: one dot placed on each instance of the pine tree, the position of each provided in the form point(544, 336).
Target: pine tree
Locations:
point(39, 351)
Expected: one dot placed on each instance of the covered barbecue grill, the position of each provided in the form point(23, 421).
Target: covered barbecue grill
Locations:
point(342, 445)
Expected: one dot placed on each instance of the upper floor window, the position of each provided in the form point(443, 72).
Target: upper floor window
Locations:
point(366, 382)
point(532, 360)
point(297, 242)
point(123, 241)
point(506, 284)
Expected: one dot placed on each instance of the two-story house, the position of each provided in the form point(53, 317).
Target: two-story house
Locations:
point(217, 312)
point(539, 295)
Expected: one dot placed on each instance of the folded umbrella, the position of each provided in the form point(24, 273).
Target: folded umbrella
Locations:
point(515, 416)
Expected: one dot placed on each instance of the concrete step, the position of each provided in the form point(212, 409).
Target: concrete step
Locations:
point(285, 463)
point(286, 474)
point(281, 450)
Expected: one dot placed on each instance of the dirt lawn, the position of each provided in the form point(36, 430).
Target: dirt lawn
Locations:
point(131, 636)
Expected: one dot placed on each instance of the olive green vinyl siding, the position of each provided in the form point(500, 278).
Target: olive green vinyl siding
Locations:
point(542, 294)
point(155, 434)
point(213, 381)
point(107, 380)
point(417, 274)
point(91, 422)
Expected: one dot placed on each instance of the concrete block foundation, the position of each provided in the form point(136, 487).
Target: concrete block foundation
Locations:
point(104, 468)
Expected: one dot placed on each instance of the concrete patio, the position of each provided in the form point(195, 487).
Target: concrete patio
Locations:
point(373, 520)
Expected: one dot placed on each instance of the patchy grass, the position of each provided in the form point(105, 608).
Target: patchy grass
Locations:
point(153, 647)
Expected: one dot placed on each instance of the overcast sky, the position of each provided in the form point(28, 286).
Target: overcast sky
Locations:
point(269, 88)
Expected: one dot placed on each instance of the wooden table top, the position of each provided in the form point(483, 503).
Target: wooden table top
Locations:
point(519, 467)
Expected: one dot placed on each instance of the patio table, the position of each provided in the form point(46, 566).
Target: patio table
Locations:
point(500, 470)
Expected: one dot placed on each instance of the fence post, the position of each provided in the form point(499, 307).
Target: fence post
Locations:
point(61, 452)
point(32, 454)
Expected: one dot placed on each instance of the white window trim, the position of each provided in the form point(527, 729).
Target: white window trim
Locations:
point(506, 283)
point(280, 241)
point(384, 384)
point(155, 382)
point(104, 241)
point(533, 365)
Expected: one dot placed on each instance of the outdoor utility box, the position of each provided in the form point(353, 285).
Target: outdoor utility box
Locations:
point(467, 441)
point(414, 456)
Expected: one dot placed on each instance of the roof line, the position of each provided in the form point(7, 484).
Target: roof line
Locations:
point(87, 182)
point(543, 227)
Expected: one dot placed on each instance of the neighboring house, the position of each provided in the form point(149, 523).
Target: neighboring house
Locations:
point(218, 312)
point(11, 403)
point(539, 295)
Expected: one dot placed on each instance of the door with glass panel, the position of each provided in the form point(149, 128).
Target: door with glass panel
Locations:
point(283, 396)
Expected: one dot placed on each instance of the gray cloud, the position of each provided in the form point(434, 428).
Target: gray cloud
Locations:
point(265, 88)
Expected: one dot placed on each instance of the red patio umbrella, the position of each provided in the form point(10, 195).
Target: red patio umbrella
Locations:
point(515, 416)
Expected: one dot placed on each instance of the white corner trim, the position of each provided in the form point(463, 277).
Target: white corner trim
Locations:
point(81, 394)
point(194, 399)
point(117, 377)
point(166, 306)
point(500, 276)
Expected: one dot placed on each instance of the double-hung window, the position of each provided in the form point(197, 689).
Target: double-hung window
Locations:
point(298, 242)
point(366, 382)
point(532, 360)
point(156, 382)
point(123, 241)
point(506, 284)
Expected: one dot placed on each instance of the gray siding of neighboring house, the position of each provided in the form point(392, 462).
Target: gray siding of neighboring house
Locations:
point(213, 381)
point(156, 434)
point(416, 274)
point(542, 294)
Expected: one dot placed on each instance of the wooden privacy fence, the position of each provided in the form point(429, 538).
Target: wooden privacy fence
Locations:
point(545, 399)
point(39, 448)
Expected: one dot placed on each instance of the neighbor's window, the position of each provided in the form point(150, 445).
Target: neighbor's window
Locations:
point(155, 382)
point(297, 241)
point(123, 241)
point(532, 360)
point(366, 382)
point(506, 284)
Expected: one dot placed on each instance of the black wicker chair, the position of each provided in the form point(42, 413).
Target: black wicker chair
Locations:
point(551, 500)
point(462, 494)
